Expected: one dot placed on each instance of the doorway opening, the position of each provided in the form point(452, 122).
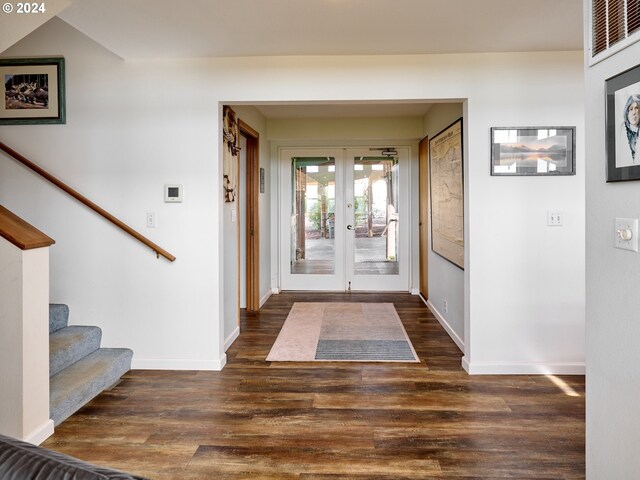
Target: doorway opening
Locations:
point(344, 219)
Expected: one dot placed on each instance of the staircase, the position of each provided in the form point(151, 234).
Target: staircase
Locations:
point(78, 368)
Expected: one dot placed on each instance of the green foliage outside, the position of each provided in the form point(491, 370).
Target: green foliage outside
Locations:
point(314, 213)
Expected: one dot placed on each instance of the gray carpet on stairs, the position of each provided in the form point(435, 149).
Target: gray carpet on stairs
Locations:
point(79, 383)
point(70, 344)
point(58, 316)
point(79, 369)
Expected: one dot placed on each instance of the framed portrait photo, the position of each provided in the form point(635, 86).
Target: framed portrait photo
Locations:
point(548, 151)
point(33, 91)
point(623, 123)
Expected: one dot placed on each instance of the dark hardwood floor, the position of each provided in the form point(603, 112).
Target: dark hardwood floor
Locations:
point(334, 421)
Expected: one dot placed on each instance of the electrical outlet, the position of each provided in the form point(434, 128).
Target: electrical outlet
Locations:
point(446, 306)
point(555, 219)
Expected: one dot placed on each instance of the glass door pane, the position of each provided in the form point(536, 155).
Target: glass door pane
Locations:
point(343, 219)
point(376, 215)
point(313, 203)
point(312, 219)
point(377, 200)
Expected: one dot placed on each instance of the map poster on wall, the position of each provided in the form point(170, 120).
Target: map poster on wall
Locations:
point(447, 201)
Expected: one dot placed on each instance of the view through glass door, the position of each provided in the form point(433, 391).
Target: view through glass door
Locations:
point(376, 198)
point(344, 219)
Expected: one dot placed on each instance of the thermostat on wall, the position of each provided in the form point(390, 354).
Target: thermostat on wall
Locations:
point(173, 193)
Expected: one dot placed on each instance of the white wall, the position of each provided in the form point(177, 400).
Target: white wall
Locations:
point(446, 280)
point(230, 239)
point(524, 280)
point(342, 129)
point(133, 126)
point(613, 276)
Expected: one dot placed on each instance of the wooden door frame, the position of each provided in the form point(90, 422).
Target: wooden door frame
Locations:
point(252, 209)
point(424, 226)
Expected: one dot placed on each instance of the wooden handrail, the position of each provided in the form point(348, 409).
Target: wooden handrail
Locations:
point(81, 198)
point(20, 233)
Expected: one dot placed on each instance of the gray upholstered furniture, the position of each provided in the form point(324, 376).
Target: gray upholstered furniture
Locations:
point(24, 461)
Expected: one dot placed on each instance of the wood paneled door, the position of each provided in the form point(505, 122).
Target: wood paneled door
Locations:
point(252, 208)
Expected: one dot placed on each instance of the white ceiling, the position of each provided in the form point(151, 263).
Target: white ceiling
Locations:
point(136, 29)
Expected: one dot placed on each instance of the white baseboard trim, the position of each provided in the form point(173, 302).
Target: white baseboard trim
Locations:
point(415, 291)
point(41, 433)
point(454, 336)
point(223, 361)
point(266, 297)
point(275, 291)
point(465, 364)
point(505, 368)
point(178, 364)
point(231, 338)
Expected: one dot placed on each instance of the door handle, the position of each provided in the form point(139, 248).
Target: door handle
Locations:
point(349, 227)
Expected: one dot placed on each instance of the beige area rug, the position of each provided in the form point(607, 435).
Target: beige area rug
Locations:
point(342, 332)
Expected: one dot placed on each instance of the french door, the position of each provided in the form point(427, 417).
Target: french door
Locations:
point(344, 219)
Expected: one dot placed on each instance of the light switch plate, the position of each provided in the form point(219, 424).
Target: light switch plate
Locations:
point(626, 234)
point(151, 220)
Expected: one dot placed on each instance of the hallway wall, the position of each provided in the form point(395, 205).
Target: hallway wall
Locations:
point(446, 280)
point(613, 303)
point(256, 120)
point(134, 125)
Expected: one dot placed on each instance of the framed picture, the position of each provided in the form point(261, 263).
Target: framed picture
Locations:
point(447, 194)
point(230, 154)
point(623, 122)
point(33, 91)
point(533, 151)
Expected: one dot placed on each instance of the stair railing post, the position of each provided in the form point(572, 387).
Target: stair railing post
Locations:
point(24, 330)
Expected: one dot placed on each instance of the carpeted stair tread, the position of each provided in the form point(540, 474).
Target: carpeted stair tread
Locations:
point(70, 344)
point(77, 384)
point(58, 316)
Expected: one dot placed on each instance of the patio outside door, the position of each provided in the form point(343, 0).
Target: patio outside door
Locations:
point(344, 219)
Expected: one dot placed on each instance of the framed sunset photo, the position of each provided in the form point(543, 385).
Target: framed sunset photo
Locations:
point(545, 151)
